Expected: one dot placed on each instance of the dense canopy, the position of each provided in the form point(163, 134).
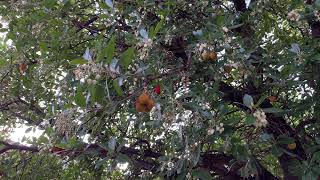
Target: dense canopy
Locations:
point(164, 89)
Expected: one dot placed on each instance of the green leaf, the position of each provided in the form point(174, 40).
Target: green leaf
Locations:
point(123, 158)
point(296, 168)
point(78, 61)
point(250, 120)
point(182, 176)
point(3, 30)
point(273, 110)
point(316, 157)
point(201, 174)
point(236, 26)
point(276, 151)
point(116, 87)
point(315, 57)
point(153, 32)
point(28, 130)
point(317, 3)
point(262, 98)
point(97, 93)
point(3, 62)
point(220, 20)
point(127, 57)
point(79, 98)
point(248, 101)
point(285, 140)
point(109, 50)
point(266, 136)
point(101, 162)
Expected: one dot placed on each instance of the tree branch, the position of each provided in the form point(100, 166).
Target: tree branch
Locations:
point(15, 146)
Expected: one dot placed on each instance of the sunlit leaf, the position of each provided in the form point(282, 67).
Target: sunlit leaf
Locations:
point(78, 61)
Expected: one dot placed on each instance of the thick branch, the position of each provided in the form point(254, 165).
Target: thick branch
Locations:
point(20, 147)
point(146, 159)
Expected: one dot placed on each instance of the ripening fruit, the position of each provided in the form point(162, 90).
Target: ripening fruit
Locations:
point(227, 69)
point(209, 56)
point(292, 146)
point(22, 68)
point(205, 56)
point(144, 103)
point(144, 97)
point(213, 56)
point(157, 89)
point(272, 98)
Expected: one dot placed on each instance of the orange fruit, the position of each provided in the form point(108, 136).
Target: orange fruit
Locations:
point(22, 68)
point(144, 103)
point(140, 107)
point(292, 146)
point(144, 97)
point(212, 56)
point(205, 56)
point(272, 98)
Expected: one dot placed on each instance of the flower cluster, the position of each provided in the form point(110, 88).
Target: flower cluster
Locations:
point(261, 118)
point(202, 47)
point(145, 45)
point(64, 123)
point(294, 15)
point(219, 128)
point(92, 72)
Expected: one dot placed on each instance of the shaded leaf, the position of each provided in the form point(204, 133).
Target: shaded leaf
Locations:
point(201, 174)
point(248, 101)
point(116, 87)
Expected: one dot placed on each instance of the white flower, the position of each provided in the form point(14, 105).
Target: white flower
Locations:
point(225, 29)
point(261, 118)
point(221, 130)
point(202, 47)
point(294, 15)
point(210, 131)
point(317, 14)
point(64, 123)
point(89, 81)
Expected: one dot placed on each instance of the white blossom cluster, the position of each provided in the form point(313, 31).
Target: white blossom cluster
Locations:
point(145, 45)
point(92, 72)
point(294, 15)
point(202, 47)
point(219, 128)
point(261, 118)
point(65, 123)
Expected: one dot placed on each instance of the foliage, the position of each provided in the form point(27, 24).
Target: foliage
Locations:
point(161, 89)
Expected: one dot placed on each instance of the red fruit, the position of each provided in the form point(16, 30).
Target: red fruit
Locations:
point(157, 89)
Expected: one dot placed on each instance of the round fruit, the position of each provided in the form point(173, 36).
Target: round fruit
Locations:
point(272, 98)
point(144, 103)
point(157, 89)
point(22, 68)
point(140, 107)
point(144, 97)
point(292, 146)
point(212, 56)
point(205, 56)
